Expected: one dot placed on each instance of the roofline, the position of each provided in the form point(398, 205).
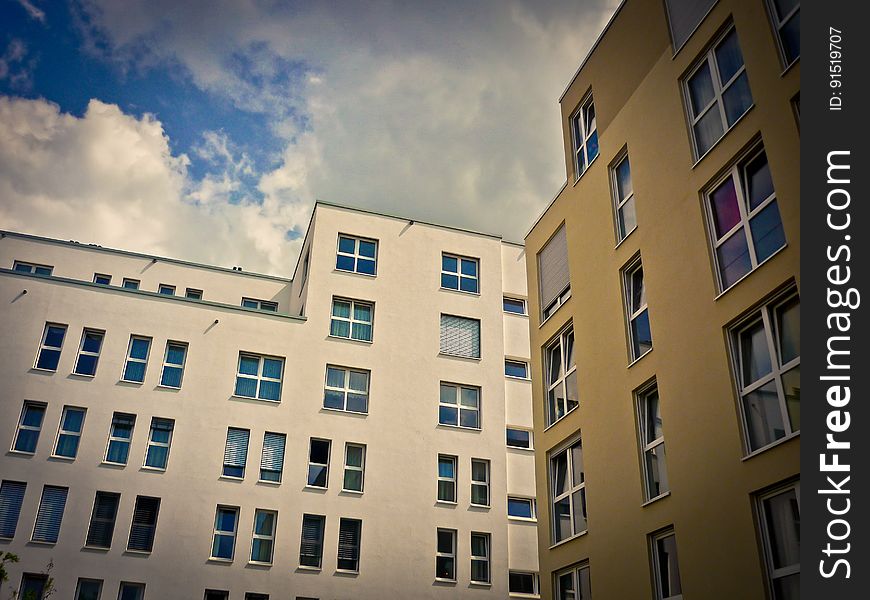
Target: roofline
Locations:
point(187, 263)
point(547, 209)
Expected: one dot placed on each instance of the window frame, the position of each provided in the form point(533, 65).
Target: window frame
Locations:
point(352, 320)
point(632, 315)
point(777, 24)
point(193, 294)
point(356, 256)
point(454, 481)
point(325, 465)
point(517, 361)
point(485, 558)
point(261, 305)
point(656, 564)
point(81, 580)
point(152, 443)
point(346, 390)
point(578, 117)
point(321, 523)
point(572, 488)
point(14, 500)
point(119, 440)
point(68, 432)
point(357, 548)
point(560, 339)
point(458, 406)
point(82, 352)
point(43, 346)
point(443, 352)
point(32, 268)
point(647, 446)
point(40, 515)
point(135, 283)
point(536, 588)
point(270, 537)
point(263, 460)
point(259, 377)
point(139, 587)
point(150, 528)
point(525, 499)
point(167, 364)
point(459, 258)
point(446, 555)
point(22, 427)
point(348, 467)
point(577, 580)
point(620, 203)
point(102, 276)
point(234, 533)
point(484, 483)
point(531, 445)
point(772, 573)
point(165, 286)
point(129, 359)
point(227, 454)
point(525, 306)
point(110, 523)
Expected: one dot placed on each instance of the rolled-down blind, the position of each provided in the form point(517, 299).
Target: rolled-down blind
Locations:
point(273, 451)
point(103, 520)
point(50, 514)
point(684, 16)
point(312, 540)
point(553, 275)
point(11, 497)
point(348, 540)
point(460, 336)
point(236, 452)
point(144, 524)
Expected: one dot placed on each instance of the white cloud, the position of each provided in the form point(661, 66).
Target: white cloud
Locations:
point(32, 10)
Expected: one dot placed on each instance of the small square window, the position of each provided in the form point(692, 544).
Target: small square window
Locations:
point(23, 267)
point(516, 368)
point(666, 567)
point(460, 336)
point(346, 389)
point(521, 508)
point(101, 279)
point(166, 290)
point(460, 273)
point(356, 255)
point(259, 377)
point(514, 305)
point(193, 294)
point(131, 591)
point(524, 584)
point(459, 406)
point(89, 589)
point(130, 284)
point(351, 319)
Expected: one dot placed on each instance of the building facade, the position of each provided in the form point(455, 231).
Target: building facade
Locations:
point(362, 430)
point(664, 311)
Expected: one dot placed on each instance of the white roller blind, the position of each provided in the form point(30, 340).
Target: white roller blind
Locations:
point(684, 16)
point(236, 452)
point(11, 497)
point(460, 336)
point(50, 514)
point(553, 275)
point(273, 451)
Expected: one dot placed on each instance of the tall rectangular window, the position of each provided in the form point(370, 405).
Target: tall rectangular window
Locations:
point(460, 336)
point(766, 348)
point(351, 319)
point(573, 584)
point(554, 279)
point(11, 498)
point(652, 443)
point(346, 389)
point(236, 452)
point(272, 459)
point(354, 467)
point(131, 591)
point(144, 524)
point(561, 376)
point(89, 589)
point(318, 463)
point(445, 555)
point(460, 273)
point(584, 136)
point(743, 219)
point(349, 532)
point(446, 478)
point(480, 557)
point(357, 255)
point(23, 267)
point(259, 377)
point(69, 432)
point(666, 567)
point(159, 440)
point(50, 514)
point(102, 525)
point(173, 364)
point(786, 18)
point(120, 434)
point(479, 482)
point(89, 352)
point(623, 198)
point(263, 542)
point(568, 492)
point(459, 405)
point(780, 520)
point(717, 92)
point(50, 347)
point(137, 359)
point(29, 426)
point(226, 521)
point(636, 310)
point(311, 546)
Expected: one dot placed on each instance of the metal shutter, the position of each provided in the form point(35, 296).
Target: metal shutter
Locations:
point(103, 520)
point(11, 497)
point(348, 543)
point(236, 452)
point(460, 336)
point(50, 514)
point(553, 275)
point(273, 452)
point(144, 524)
point(312, 540)
point(684, 16)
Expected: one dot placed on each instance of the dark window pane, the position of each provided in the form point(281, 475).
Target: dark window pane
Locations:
point(737, 99)
point(733, 258)
point(728, 57)
point(767, 233)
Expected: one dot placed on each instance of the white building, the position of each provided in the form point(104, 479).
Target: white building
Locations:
point(176, 430)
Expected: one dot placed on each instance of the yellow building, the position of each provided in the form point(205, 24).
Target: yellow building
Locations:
point(664, 311)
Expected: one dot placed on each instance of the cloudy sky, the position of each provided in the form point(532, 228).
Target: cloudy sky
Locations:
point(206, 130)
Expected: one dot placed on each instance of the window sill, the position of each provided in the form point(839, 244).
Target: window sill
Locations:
point(719, 141)
point(106, 463)
point(480, 506)
point(215, 559)
point(42, 543)
point(522, 595)
point(589, 166)
point(256, 563)
point(231, 478)
point(309, 568)
point(168, 387)
point(138, 552)
point(529, 450)
point(460, 427)
point(352, 492)
point(235, 397)
point(343, 272)
point(483, 584)
point(446, 503)
point(460, 356)
point(515, 378)
point(627, 235)
point(268, 482)
point(560, 419)
point(131, 381)
point(570, 539)
point(516, 314)
point(41, 370)
point(315, 488)
point(152, 469)
point(748, 273)
point(638, 359)
point(522, 519)
point(445, 289)
point(62, 458)
point(656, 499)
point(346, 412)
point(346, 572)
point(350, 339)
point(771, 445)
point(95, 548)
point(21, 453)
point(82, 375)
point(442, 580)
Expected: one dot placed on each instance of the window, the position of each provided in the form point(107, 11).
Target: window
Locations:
point(349, 531)
point(562, 396)
point(717, 93)
point(49, 348)
point(50, 514)
point(217, 595)
point(460, 336)
point(479, 482)
point(519, 438)
point(101, 279)
point(446, 478)
point(23, 267)
point(568, 492)
point(159, 440)
point(480, 557)
point(354, 467)
point(786, 18)
point(131, 591)
point(29, 427)
point(263, 542)
point(780, 520)
point(89, 589)
point(130, 284)
point(33, 586)
point(254, 596)
point(102, 525)
point(356, 255)
point(173, 364)
point(652, 443)
point(260, 304)
point(445, 555)
point(684, 16)
point(69, 432)
point(516, 368)
point(637, 312)
point(346, 389)
point(11, 498)
point(584, 135)
point(521, 508)
point(460, 273)
point(459, 406)
point(514, 305)
point(144, 524)
point(120, 434)
point(259, 377)
point(318, 463)
point(137, 359)
point(573, 584)
point(166, 290)
point(236, 452)
point(311, 547)
point(89, 352)
point(193, 294)
point(272, 459)
point(743, 219)
point(623, 198)
point(554, 280)
point(351, 319)
point(767, 352)
point(666, 568)
point(226, 521)
point(520, 582)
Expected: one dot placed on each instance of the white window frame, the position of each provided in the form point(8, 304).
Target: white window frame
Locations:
point(233, 534)
point(532, 508)
point(531, 445)
point(348, 467)
point(620, 203)
point(263, 456)
point(260, 377)
point(152, 527)
point(166, 363)
point(777, 23)
point(31, 268)
point(127, 280)
point(578, 124)
point(459, 275)
point(452, 480)
point(522, 301)
point(773, 573)
point(165, 286)
point(151, 442)
point(262, 536)
point(356, 256)
point(345, 390)
point(316, 464)
point(69, 432)
point(321, 519)
point(244, 465)
point(485, 558)
point(193, 294)
point(114, 438)
point(484, 483)
point(352, 319)
point(567, 371)
point(22, 427)
point(102, 275)
point(572, 488)
point(648, 446)
point(517, 361)
point(83, 352)
point(264, 305)
point(631, 315)
point(341, 521)
point(140, 587)
point(44, 346)
point(458, 387)
point(658, 593)
point(451, 555)
point(130, 359)
point(577, 573)
point(536, 589)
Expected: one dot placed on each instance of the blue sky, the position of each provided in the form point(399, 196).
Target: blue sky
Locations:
point(206, 130)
